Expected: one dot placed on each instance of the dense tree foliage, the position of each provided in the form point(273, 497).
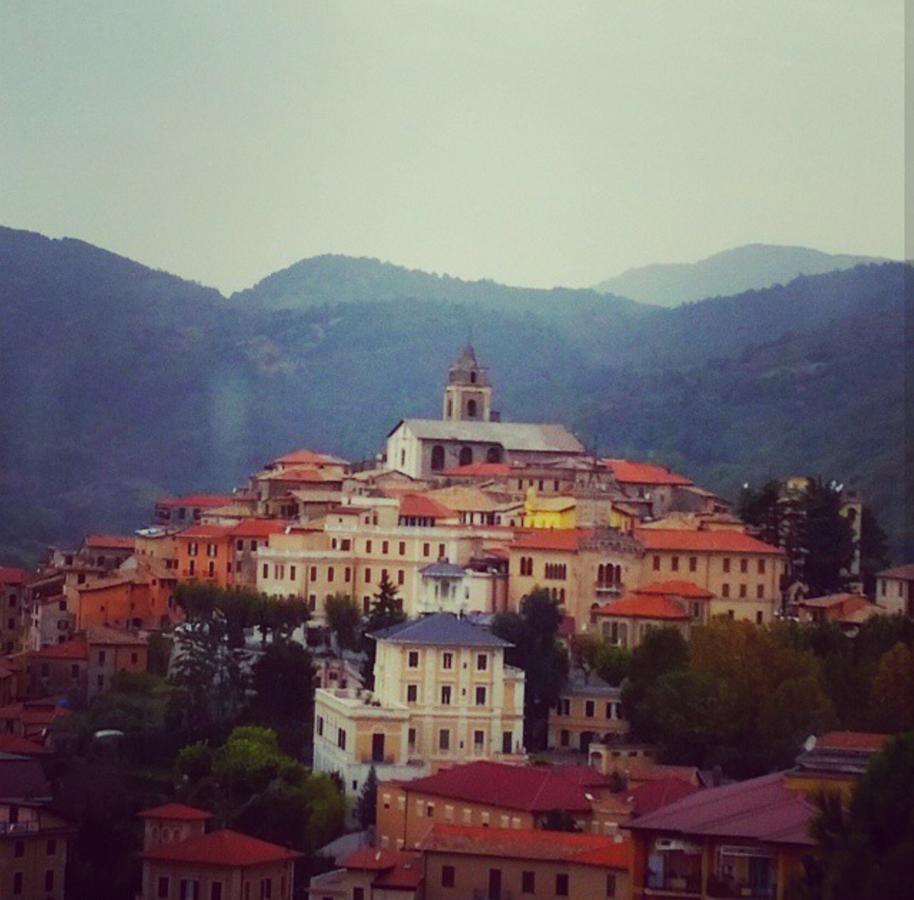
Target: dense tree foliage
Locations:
point(385, 612)
point(344, 619)
point(534, 634)
point(366, 809)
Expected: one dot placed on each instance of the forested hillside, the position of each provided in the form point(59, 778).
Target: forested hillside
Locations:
point(120, 384)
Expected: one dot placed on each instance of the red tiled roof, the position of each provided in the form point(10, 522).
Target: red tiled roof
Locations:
point(553, 539)
point(416, 505)
point(11, 743)
point(177, 811)
point(529, 788)
point(309, 457)
point(375, 860)
point(852, 740)
point(709, 541)
point(676, 589)
point(11, 575)
point(905, 572)
point(530, 843)
point(258, 527)
point(305, 474)
point(492, 470)
point(113, 541)
point(201, 501)
point(628, 472)
point(222, 848)
point(760, 809)
point(75, 648)
point(653, 795)
point(205, 531)
point(643, 606)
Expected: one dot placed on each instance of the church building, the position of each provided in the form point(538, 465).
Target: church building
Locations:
point(471, 432)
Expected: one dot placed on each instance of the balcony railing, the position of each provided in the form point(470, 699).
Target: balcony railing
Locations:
point(727, 886)
point(675, 884)
point(18, 827)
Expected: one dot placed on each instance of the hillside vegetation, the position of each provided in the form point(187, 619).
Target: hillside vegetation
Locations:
point(121, 384)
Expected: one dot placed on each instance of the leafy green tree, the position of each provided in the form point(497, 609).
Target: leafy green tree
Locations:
point(536, 649)
point(893, 689)
point(827, 539)
point(613, 664)
point(158, 653)
point(366, 810)
point(385, 612)
point(762, 509)
point(663, 650)
point(283, 683)
point(585, 652)
point(344, 620)
point(874, 555)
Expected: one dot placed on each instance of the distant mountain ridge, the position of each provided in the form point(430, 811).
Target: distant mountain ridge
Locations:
point(729, 272)
point(122, 383)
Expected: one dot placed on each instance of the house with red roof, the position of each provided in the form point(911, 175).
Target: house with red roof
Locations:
point(181, 512)
point(372, 874)
point(895, 589)
point(741, 572)
point(464, 861)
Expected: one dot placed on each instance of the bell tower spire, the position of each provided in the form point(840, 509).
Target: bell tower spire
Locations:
point(468, 393)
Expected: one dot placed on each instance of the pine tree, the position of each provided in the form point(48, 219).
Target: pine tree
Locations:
point(367, 805)
point(386, 611)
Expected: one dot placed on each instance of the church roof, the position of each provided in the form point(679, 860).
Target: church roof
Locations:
point(510, 435)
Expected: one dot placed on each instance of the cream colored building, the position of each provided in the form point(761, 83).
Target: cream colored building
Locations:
point(443, 695)
point(588, 710)
point(895, 590)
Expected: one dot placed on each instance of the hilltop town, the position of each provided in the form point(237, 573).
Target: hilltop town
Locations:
point(487, 663)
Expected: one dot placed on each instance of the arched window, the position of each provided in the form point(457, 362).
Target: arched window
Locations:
point(618, 574)
point(493, 455)
point(437, 457)
point(471, 408)
point(601, 573)
point(466, 456)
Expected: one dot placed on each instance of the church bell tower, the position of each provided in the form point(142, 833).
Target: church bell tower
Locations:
point(468, 393)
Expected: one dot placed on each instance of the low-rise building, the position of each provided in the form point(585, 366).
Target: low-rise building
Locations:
point(370, 874)
point(588, 710)
point(180, 512)
point(463, 862)
point(33, 846)
point(13, 609)
point(895, 589)
point(443, 695)
point(848, 611)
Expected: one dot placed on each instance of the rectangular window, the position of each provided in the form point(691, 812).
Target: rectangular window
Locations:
point(291, 573)
point(758, 618)
point(726, 563)
point(693, 563)
point(368, 546)
point(674, 563)
point(341, 738)
point(402, 548)
point(412, 693)
point(760, 591)
point(527, 882)
point(656, 563)
point(610, 884)
point(329, 573)
point(266, 888)
point(401, 576)
point(479, 741)
point(744, 565)
point(385, 547)
point(413, 659)
point(266, 570)
point(313, 573)
point(561, 885)
point(347, 574)
point(482, 662)
point(444, 739)
point(447, 876)
point(589, 708)
point(480, 696)
point(320, 725)
point(725, 590)
point(411, 738)
point(17, 884)
point(51, 848)
point(441, 553)
point(215, 891)
point(742, 590)
point(447, 661)
point(164, 886)
point(49, 880)
point(426, 549)
point(368, 576)
point(445, 695)
point(761, 567)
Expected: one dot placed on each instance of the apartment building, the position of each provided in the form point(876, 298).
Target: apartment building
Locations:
point(33, 851)
point(588, 710)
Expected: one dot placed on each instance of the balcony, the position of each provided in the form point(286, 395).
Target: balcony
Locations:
point(673, 885)
point(728, 886)
point(18, 827)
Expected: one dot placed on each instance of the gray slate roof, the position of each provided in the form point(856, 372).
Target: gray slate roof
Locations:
point(441, 628)
point(442, 569)
point(511, 435)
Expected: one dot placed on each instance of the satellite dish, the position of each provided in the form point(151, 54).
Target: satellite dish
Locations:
point(810, 743)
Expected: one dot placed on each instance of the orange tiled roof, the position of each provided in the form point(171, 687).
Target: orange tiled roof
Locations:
point(177, 811)
point(904, 572)
point(11, 575)
point(531, 843)
point(419, 506)
point(852, 740)
point(676, 588)
point(304, 474)
point(258, 527)
point(222, 848)
point(114, 541)
point(643, 606)
point(707, 541)
point(75, 648)
point(309, 458)
point(553, 539)
point(628, 472)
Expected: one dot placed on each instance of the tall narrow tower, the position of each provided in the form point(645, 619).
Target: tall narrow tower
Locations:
point(468, 394)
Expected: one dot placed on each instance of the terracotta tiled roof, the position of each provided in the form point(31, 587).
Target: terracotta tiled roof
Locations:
point(222, 848)
point(676, 589)
point(529, 788)
point(74, 649)
point(201, 501)
point(253, 528)
point(761, 809)
point(530, 843)
point(177, 811)
point(905, 572)
point(10, 575)
point(643, 606)
point(708, 541)
point(653, 795)
point(484, 469)
point(851, 740)
point(851, 601)
point(415, 505)
point(110, 541)
point(303, 474)
point(104, 634)
point(627, 472)
point(553, 539)
point(375, 860)
point(306, 457)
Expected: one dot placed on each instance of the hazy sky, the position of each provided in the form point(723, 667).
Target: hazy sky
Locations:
point(533, 143)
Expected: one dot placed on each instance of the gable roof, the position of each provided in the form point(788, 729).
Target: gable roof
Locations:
point(202, 501)
point(440, 628)
point(110, 541)
point(103, 634)
point(676, 588)
point(852, 740)
point(253, 528)
point(74, 649)
point(530, 843)
point(419, 506)
point(627, 472)
point(176, 811)
point(699, 540)
point(11, 575)
point(650, 796)
point(522, 436)
point(904, 572)
point(643, 606)
point(309, 458)
point(760, 809)
point(553, 539)
point(222, 848)
point(521, 787)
